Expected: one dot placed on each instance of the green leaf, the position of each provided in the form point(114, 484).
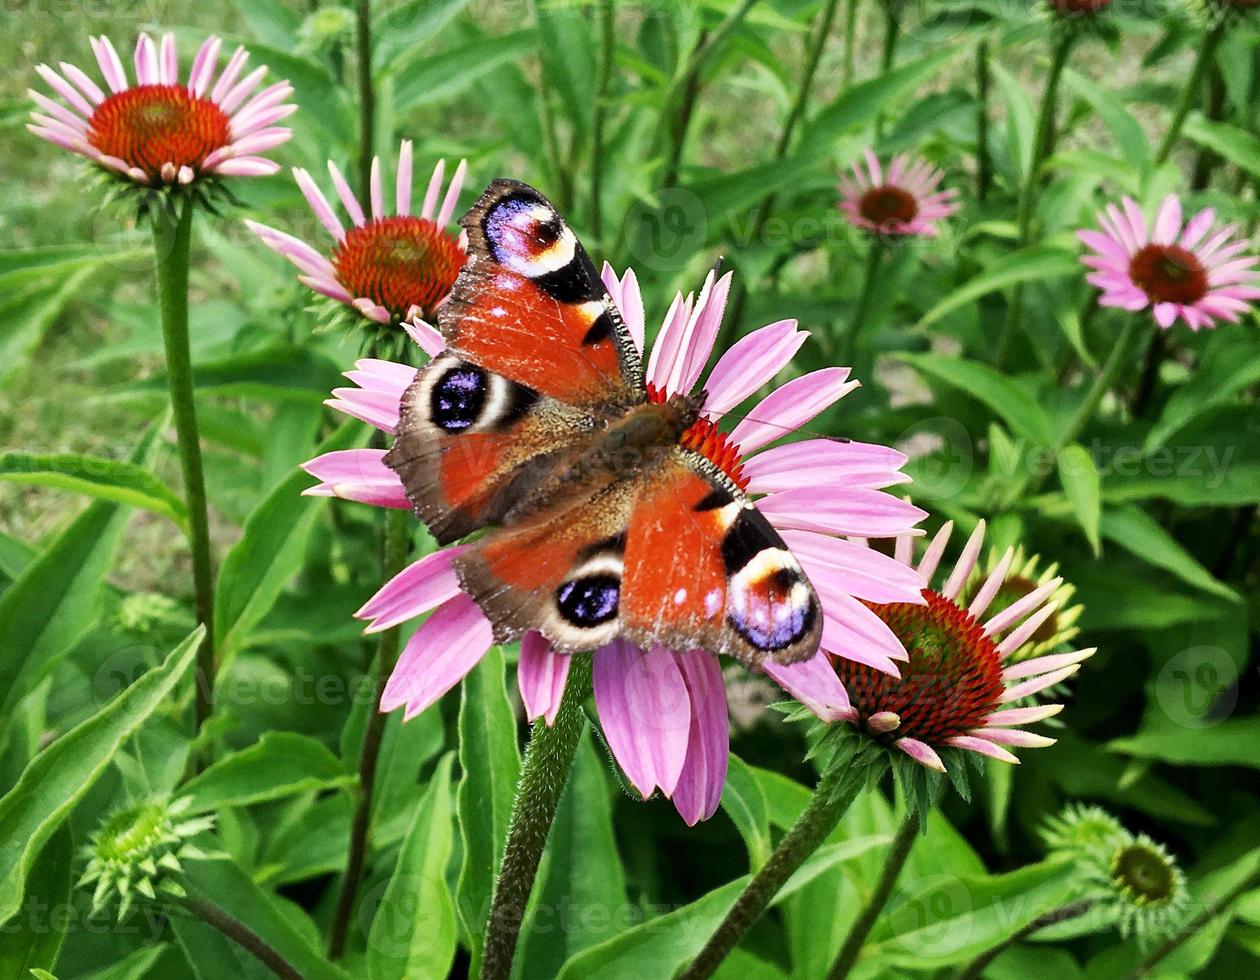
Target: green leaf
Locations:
point(135, 966)
point(1021, 117)
point(52, 603)
point(581, 871)
point(491, 763)
point(426, 78)
point(1230, 743)
point(277, 373)
point(281, 924)
point(269, 553)
point(106, 479)
point(1236, 145)
point(950, 919)
point(660, 946)
point(33, 938)
point(1033, 264)
point(280, 764)
point(1124, 129)
point(60, 775)
point(567, 49)
point(745, 804)
point(413, 931)
point(1229, 366)
point(1137, 532)
point(1009, 400)
point(27, 312)
point(406, 32)
point(1083, 487)
point(314, 89)
point(270, 21)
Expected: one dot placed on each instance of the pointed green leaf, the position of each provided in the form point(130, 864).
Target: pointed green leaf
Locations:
point(33, 938)
point(1028, 265)
point(59, 776)
point(1083, 487)
point(280, 764)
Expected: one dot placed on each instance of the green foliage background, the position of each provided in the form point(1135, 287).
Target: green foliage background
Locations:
point(1152, 518)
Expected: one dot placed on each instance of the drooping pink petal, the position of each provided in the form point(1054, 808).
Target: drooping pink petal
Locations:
point(921, 753)
point(788, 408)
point(541, 676)
point(357, 474)
point(423, 585)
point(645, 712)
point(438, 656)
point(699, 789)
point(983, 747)
point(815, 684)
point(1014, 737)
point(855, 569)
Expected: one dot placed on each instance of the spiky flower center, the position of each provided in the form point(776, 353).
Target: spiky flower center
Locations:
point(705, 438)
point(132, 834)
point(149, 126)
point(399, 262)
point(951, 683)
point(1144, 873)
point(1169, 274)
point(888, 205)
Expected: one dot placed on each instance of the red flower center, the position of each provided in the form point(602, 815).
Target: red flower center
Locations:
point(705, 438)
point(399, 262)
point(952, 682)
point(152, 125)
point(1079, 6)
point(888, 205)
point(1169, 274)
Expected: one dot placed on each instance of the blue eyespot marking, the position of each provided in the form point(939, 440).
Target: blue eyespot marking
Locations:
point(458, 398)
point(589, 601)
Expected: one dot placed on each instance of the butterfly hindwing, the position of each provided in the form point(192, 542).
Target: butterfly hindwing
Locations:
point(675, 555)
point(536, 356)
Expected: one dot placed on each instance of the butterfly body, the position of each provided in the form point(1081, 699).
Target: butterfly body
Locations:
point(608, 514)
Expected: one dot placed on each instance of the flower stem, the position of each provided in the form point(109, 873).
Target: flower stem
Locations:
point(850, 41)
point(1065, 913)
point(1102, 384)
point(853, 340)
point(839, 786)
point(548, 759)
point(1194, 85)
point(397, 540)
point(241, 934)
point(895, 860)
point(602, 80)
point(367, 95)
point(984, 165)
point(1042, 146)
point(1210, 911)
point(892, 28)
point(172, 239)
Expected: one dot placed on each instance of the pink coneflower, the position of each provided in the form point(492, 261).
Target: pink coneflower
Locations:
point(964, 672)
point(664, 711)
point(1187, 272)
point(905, 201)
point(159, 132)
point(392, 268)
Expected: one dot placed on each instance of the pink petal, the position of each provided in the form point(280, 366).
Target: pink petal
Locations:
point(670, 340)
point(983, 747)
point(319, 204)
point(438, 656)
point(541, 675)
point(750, 363)
point(645, 711)
point(421, 586)
point(1197, 227)
point(1024, 716)
point(921, 753)
point(146, 61)
point(348, 200)
point(203, 65)
point(699, 789)
point(64, 89)
point(426, 336)
point(708, 318)
point(1038, 684)
point(452, 194)
point(860, 513)
point(831, 462)
point(966, 563)
point(854, 569)
point(357, 474)
point(1023, 633)
point(229, 76)
point(852, 630)
point(1040, 665)
point(815, 684)
point(1168, 221)
point(111, 65)
point(1017, 610)
point(628, 299)
point(434, 188)
point(402, 181)
point(1016, 737)
point(791, 406)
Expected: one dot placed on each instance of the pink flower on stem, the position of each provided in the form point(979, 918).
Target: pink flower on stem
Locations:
point(393, 268)
point(663, 711)
point(159, 131)
point(966, 675)
point(1189, 271)
point(903, 201)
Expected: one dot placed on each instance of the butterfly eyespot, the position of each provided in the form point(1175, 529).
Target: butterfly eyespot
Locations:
point(458, 397)
point(590, 601)
point(770, 604)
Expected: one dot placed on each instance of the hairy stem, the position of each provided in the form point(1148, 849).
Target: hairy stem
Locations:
point(1194, 85)
point(602, 81)
point(838, 787)
point(241, 934)
point(544, 772)
point(367, 95)
point(397, 540)
point(895, 860)
point(1042, 146)
point(172, 240)
point(1065, 913)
